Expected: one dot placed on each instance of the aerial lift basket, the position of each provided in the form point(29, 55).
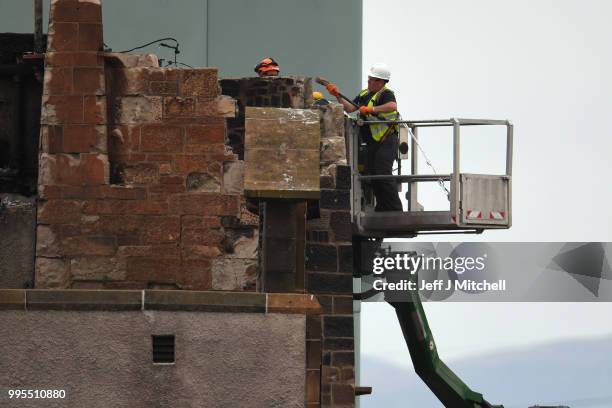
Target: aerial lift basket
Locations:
point(476, 201)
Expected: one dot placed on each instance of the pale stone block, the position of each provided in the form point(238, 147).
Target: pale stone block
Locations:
point(281, 152)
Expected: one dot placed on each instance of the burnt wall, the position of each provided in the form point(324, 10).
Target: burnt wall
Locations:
point(137, 187)
point(20, 102)
point(20, 96)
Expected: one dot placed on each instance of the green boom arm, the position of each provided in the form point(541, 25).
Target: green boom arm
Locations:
point(440, 379)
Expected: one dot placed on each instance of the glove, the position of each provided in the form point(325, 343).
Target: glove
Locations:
point(333, 89)
point(366, 110)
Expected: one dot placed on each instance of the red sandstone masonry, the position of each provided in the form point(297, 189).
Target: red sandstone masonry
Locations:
point(118, 145)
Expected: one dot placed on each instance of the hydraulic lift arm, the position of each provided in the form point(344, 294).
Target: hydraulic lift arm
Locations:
point(440, 379)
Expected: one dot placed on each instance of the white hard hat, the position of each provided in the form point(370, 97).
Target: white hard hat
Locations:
point(380, 70)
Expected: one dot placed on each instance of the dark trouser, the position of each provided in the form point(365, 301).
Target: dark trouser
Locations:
point(380, 162)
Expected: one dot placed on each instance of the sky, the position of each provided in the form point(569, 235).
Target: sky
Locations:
point(545, 65)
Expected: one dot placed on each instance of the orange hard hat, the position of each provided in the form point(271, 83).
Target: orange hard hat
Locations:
point(266, 65)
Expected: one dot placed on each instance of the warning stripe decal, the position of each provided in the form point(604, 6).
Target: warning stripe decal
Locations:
point(472, 214)
point(497, 215)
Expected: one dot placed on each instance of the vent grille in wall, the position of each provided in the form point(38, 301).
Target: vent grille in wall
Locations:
point(163, 349)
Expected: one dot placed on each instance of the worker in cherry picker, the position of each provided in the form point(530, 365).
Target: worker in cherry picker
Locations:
point(267, 67)
point(377, 102)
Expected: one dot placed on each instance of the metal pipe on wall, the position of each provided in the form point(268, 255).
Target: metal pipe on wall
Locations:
point(38, 26)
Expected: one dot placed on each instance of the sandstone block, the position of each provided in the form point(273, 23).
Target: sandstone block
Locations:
point(147, 207)
point(61, 109)
point(138, 109)
point(49, 192)
point(90, 37)
point(205, 134)
point(167, 189)
point(233, 274)
point(162, 138)
point(222, 105)
point(196, 275)
point(89, 80)
point(98, 268)
point(165, 169)
point(59, 212)
point(161, 229)
point(164, 88)
point(58, 59)
point(158, 270)
point(171, 251)
point(204, 204)
point(88, 245)
point(142, 174)
point(119, 225)
point(200, 82)
point(193, 221)
point(47, 242)
point(172, 179)
point(121, 192)
point(52, 273)
point(63, 36)
point(73, 11)
point(136, 207)
point(134, 60)
point(201, 236)
point(87, 59)
point(186, 164)
point(132, 81)
point(281, 152)
point(51, 138)
point(88, 169)
point(58, 81)
point(94, 110)
point(298, 303)
point(195, 252)
point(83, 138)
point(179, 107)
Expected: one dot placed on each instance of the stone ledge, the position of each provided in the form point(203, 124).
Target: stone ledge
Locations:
point(293, 303)
point(205, 301)
point(12, 299)
point(171, 300)
point(49, 299)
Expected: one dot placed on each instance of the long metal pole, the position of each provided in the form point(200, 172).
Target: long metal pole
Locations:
point(509, 148)
point(456, 166)
point(414, 170)
point(509, 154)
point(38, 26)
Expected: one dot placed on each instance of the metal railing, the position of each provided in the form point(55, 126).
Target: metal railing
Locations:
point(413, 178)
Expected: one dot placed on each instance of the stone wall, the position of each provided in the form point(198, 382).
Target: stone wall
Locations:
point(329, 272)
point(140, 186)
point(317, 255)
point(137, 187)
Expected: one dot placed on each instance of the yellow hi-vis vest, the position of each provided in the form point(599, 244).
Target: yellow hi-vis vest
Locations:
point(378, 129)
